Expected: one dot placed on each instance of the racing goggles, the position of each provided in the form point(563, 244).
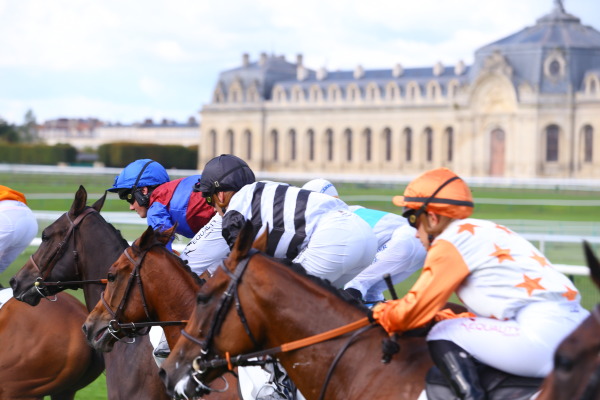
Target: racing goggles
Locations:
point(127, 195)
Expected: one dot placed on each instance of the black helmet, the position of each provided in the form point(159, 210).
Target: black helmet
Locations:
point(222, 174)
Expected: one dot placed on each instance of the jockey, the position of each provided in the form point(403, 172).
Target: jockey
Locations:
point(522, 307)
point(313, 229)
point(18, 225)
point(146, 186)
point(399, 252)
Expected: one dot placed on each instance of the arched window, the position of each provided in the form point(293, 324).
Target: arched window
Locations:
point(213, 143)
point(275, 145)
point(449, 144)
point(348, 138)
point(368, 144)
point(248, 140)
point(408, 143)
point(593, 86)
point(230, 141)
point(311, 144)
point(588, 143)
point(329, 139)
point(387, 138)
point(428, 144)
point(292, 140)
point(552, 143)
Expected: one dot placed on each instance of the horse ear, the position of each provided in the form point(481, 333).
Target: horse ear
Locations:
point(147, 238)
point(260, 243)
point(243, 243)
point(166, 235)
point(79, 201)
point(592, 262)
point(99, 203)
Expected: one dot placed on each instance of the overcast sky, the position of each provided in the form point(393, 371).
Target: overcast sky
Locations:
point(127, 60)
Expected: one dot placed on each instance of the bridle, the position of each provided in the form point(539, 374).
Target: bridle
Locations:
point(201, 365)
point(131, 329)
point(593, 385)
point(41, 283)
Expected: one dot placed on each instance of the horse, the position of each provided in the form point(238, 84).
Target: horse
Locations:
point(77, 249)
point(576, 373)
point(167, 292)
point(43, 351)
point(275, 304)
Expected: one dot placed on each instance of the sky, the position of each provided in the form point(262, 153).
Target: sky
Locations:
point(129, 60)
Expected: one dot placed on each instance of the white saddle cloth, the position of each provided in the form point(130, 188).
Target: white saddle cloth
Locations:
point(5, 295)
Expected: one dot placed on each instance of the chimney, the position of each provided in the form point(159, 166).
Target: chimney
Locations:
point(245, 59)
point(299, 60)
point(263, 59)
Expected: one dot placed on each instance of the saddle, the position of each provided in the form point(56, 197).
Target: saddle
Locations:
point(497, 384)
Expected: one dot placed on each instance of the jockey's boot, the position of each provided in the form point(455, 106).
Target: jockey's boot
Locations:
point(458, 367)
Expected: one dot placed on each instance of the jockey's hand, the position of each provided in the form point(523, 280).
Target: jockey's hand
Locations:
point(381, 315)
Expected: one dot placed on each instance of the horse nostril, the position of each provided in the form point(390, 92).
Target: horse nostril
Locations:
point(13, 283)
point(84, 329)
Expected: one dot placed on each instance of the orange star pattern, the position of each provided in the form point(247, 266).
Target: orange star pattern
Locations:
point(541, 259)
point(570, 294)
point(467, 227)
point(530, 284)
point(505, 229)
point(502, 254)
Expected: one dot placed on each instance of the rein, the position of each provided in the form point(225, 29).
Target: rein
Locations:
point(40, 282)
point(201, 366)
point(114, 326)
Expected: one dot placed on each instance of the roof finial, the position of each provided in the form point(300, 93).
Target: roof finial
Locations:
point(558, 6)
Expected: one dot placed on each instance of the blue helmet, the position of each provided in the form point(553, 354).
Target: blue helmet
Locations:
point(140, 173)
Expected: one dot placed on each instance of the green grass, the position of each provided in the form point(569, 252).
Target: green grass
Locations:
point(95, 185)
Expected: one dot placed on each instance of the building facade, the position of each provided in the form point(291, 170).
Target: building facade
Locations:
point(528, 106)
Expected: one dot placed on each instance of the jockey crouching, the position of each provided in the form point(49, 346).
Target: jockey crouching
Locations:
point(399, 252)
point(522, 307)
point(313, 229)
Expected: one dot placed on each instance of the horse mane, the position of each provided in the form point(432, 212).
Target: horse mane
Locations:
point(163, 236)
point(324, 283)
point(117, 232)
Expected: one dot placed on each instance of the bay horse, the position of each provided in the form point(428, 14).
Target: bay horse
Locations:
point(43, 352)
point(167, 292)
point(80, 246)
point(576, 373)
point(253, 302)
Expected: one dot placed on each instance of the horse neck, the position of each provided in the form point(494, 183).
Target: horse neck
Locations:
point(170, 291)
point(97, 252)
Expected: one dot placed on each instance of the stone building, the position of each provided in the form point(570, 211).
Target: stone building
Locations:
point(528, 107)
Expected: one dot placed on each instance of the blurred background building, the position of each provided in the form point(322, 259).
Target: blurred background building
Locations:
point(528, 106)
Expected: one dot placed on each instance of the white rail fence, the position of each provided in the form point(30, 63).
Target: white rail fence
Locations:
point(541, 238)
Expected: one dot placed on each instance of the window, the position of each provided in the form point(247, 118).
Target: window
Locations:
point(428, 144)
point(593, 87)
point(387, 137)
point(449, 143)
point(311, 144)
point(552, 143)
point(368, 144)
point(275, 144)
point(329, 138)
point(588, 142)
point(554, 68)
point(348, 137)
point(248, 137)
point(292, 139)
point(408, 143)
point(230, 140)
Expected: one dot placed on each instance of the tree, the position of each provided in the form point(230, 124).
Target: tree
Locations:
point(29, 130)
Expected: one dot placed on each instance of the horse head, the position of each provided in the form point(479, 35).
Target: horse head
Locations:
point(131, 281)
point(214, 325)
point(576, 373)
point(62, 248)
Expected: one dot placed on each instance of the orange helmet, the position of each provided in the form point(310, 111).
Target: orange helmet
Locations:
point(440, 191)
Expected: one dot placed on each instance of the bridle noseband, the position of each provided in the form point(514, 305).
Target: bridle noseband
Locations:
point(57, 255)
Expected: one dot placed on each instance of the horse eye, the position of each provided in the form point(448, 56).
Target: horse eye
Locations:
point(564, 363)
point(202, 298)
point(111, 277)
point(44, 237)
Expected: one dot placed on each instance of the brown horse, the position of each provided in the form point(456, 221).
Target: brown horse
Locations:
point(576, 372)
point(254, 303)
point(43, 351)
point(169, 294)
point(80, 246)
